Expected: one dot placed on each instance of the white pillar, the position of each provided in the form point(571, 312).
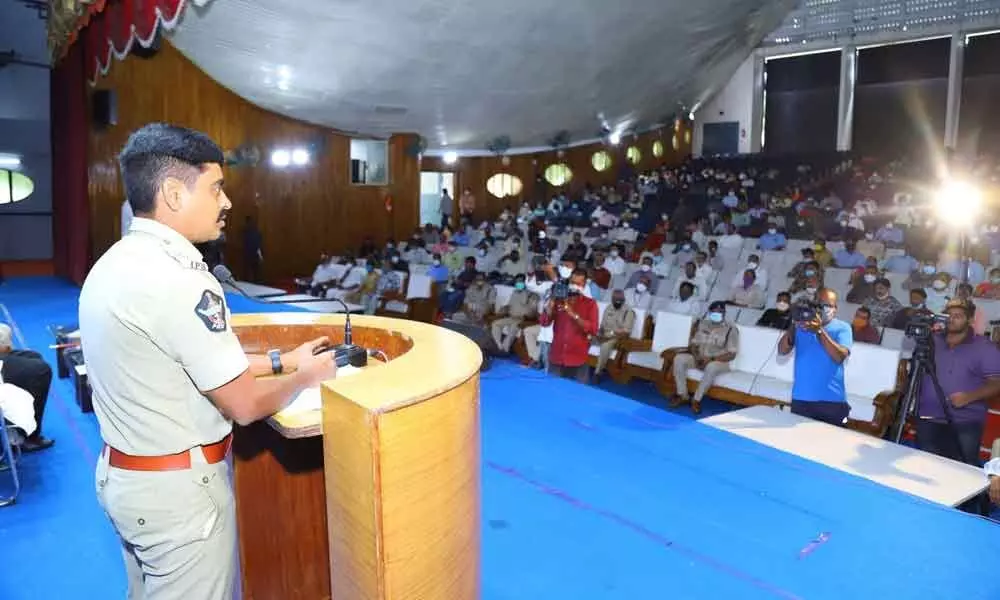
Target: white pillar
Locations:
point(955, 69)
point(757, 108)
point(845, 107)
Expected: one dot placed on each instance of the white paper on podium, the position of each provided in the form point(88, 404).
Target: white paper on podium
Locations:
point(311, 398)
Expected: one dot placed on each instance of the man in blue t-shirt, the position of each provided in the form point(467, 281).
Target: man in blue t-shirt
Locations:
point(821, 347)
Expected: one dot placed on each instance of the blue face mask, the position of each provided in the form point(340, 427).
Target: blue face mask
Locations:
point(519, 285)
point(715, 317)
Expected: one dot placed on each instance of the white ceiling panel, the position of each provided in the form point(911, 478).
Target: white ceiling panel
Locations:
point(463, 72)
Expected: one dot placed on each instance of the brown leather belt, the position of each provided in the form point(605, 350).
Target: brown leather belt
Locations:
point(214, 453)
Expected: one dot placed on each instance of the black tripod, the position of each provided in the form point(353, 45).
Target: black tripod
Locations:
point(922, 363)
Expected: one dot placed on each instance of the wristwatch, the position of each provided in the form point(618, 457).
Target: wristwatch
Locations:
point(275, 356)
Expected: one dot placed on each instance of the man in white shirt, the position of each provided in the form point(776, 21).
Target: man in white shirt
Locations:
point(639, 297)
point(351, 280)
point(753, 263)
point(690, 276)
point(614, 263)
point(748, 294)
point(703, 270)
point(732, 240)
point(686, 303)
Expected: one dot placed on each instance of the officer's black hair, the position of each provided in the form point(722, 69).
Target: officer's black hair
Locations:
point(157, 151)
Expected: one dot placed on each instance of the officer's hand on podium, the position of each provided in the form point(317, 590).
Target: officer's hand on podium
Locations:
point(298, 356)
point(318, 368)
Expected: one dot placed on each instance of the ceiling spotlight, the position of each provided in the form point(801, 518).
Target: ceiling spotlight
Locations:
point(9, 161)
point(450, 158)
point(281, 158)
point(300, 156)
point(615, 138)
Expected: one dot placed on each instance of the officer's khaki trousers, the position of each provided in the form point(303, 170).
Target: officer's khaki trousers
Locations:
point(511, 324)
point(605, 355)
point(177, 529)
point(683, 362)
point(531, 341)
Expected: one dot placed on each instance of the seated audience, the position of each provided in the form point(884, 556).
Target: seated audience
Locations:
point(437, 271)
point(27, 370)
point(388, 286)
point(616, 325)
point(712, 347)
point(862, 327)
point(760, 273)
point(599, 274)
point(902, 263)
point(690, 276)
point(990, 288)
point(732, 241)
point(645, 269)
point(865, 287)
point(938, 295)
point(923, 277)
point(869, 246)
point(779, 317)
point(716, 261)
point(640, 297)
point(848, 257)
point(350, 282)
point(821, 254)
point(614, 263)
point(918, 304)
point(772, 240)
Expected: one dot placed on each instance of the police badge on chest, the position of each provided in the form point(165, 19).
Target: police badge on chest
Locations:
point(211, 311)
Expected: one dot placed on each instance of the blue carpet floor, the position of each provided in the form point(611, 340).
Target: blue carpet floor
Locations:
point(588, 493)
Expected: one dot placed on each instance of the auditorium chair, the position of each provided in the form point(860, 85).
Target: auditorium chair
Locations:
point(649, 359)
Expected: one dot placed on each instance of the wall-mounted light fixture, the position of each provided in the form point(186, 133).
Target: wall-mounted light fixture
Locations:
point(10, 161)
point(284, 157)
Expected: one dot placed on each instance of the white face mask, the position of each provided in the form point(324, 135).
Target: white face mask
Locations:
point(565, 272)
point(641, 288)
point(645, 268)
point(576, 288)
point(811, 291)
point(614, 254)
point(482, 252)
point(869, 278)
point(751, 265)
point(437, 262)
point(869, 236)
point(939, 284)
point(715, 317)
point(782, 306)
point(541, 235)
point(772, 231)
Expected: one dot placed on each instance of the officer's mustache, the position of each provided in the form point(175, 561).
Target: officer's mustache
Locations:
point(223, 215)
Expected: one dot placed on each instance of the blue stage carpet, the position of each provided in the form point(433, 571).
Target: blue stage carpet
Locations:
point(587, 495)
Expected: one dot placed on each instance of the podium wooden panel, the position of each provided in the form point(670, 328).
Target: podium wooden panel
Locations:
point(377, 495)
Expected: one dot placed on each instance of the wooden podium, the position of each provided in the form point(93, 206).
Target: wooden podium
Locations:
point(377, 495)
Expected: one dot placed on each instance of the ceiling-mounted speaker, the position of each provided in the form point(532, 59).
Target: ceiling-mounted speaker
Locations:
point(140, 51)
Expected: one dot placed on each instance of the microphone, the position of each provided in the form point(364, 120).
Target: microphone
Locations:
point(345, 354)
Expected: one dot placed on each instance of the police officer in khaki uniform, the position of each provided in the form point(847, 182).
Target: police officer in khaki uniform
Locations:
point(169, 376)
point(523, 305)
point(713, 346)
point(616, 325)
point(480, 298)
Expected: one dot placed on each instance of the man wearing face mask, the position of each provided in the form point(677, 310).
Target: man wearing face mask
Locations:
point(881, 305)
point(821, 346)
point(351, 281)
point(779, 317)
point(574, 321)
point(513, 265)
point(921, 278)
point(712, 347)
point(389, 286)
point(690, 276)
point(616, 325)
point(772, 240)
point(639, 297)
point(645, 268)
point(437, 271)
point(480, 298)
point(918, 304)
point(849, 257)
point(939, 293)
point(821, 254)
point(748, 294)
point(862, 329)
point(614, 263)
point(760, 273)
point(523, 305)
point(869, 246)
point(452, 297)
point(576, 250)
point(864, 287)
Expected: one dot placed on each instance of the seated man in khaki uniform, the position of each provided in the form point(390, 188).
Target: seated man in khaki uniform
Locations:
point(713, 346)
point(523, 305)
point(480, 298)
point(616, 324)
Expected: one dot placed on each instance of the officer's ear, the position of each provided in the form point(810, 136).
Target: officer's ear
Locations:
point(174, 191)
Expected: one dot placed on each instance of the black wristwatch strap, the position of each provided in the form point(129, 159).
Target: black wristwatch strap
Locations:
point(275, 356)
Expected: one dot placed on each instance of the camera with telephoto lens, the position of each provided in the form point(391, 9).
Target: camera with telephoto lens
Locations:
point(806, 310)
point(920, 327)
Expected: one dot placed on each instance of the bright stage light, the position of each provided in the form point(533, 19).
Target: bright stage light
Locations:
point(958, 203)
point(615, 138)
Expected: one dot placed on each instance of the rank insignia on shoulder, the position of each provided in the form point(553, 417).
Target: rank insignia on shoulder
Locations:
point(211, 311)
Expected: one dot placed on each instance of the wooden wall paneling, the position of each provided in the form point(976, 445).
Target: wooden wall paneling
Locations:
point(301, 211)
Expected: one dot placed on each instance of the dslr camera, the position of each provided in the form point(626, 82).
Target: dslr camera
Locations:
point(806, 310)
point(920, 327)
point(560, 289)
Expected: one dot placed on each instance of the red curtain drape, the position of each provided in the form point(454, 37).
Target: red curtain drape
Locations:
point(70, 130)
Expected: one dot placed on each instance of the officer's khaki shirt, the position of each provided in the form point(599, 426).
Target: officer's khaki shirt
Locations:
point(523, 304)
point(155, 332)
point(480, 300)
point(616, 319)
point(716, 339)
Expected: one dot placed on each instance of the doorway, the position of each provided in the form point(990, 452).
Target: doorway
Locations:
point(432, 184)
point(720, 139)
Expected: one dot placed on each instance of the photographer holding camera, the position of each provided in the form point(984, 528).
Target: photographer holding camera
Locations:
point(574, 319)
point(822, 343)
